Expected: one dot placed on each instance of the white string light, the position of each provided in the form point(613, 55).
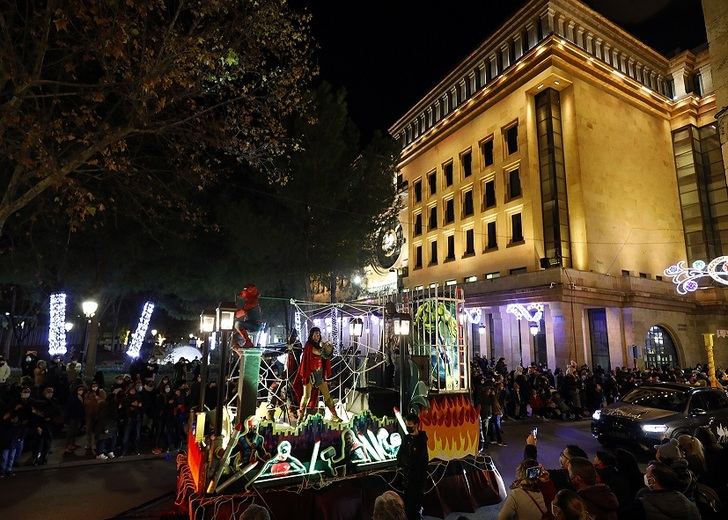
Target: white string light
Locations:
point(140, 333)
point(57, 327)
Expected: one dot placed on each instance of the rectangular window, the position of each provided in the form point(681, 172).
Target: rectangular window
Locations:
point(469, 242)
point(514, 184)
point(516, 228)
point(432, 181)
point(492, 239)
point(489, 194)
point(447, 172)
point(625, 272)
point(433, 252)
point(644, 275)
point(468, 203)
point(432, 224)
point(418, 257)
point(490, 276)
point(450, 248)
point(466, 161)
point(418, 225)
point(418, 191)
point(512, 139)
point(449, 211)
point(518, 270)
point(487, 150)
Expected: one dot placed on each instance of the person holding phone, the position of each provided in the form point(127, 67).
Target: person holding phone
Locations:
point(525, 501)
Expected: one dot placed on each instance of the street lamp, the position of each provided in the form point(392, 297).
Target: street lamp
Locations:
point(401, 322)
point(534, 328)
point(89, 308)
point(68, 326)
point(356, 326)
point(224, 322)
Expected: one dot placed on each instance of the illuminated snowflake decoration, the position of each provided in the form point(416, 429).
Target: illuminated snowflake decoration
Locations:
point(685, 278)
point(531, 312)
point(140, 333)
point(475, 315)
point(57, 329)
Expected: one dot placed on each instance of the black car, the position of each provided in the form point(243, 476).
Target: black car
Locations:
point(646, 415)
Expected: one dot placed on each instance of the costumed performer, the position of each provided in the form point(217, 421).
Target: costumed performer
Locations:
point(314, 370)
point(248, 318)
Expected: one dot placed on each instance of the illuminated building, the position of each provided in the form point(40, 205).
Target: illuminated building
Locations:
point(565, 162)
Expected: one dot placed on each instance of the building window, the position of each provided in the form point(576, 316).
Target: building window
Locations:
point(432, 224)
point(469, 242)
point(519, 270)
point(418, 190)
point(418, 225)
point(644, 275)
point(486, 149)
point(491, 238)
point(516, 229)
point(468, 203)
point(494, 274)
point(432, 181)
point(511, 139)
point(418, 257)
point(514, 184)
point(466, 161)
point(447, 172)
point(489, 194)
point(625, 272)
point(433, 252)
point(449, 211)
point(450, 248)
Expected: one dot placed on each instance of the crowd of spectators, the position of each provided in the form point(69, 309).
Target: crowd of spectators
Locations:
point(141, 410)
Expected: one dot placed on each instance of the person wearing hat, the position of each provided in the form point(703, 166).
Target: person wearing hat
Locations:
point(669, 454)
point(314, 370)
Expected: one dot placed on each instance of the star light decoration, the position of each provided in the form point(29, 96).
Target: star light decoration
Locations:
point(140, 333)
point(685, 278)
point(57, 329)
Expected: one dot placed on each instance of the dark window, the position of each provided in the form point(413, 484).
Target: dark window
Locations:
point(449, 211)
point(432, 181)
point(487, 149)
point(516, 228)
point(432, 224)
point(418, 191)
point(512, 139)
point(514, 184)
point(599, 338)
point(468, 203)
point(450, 248)
point(643, 275)
point(518, 270)
point(447, 171)
point(433, 252)
point(418, 225)
point(489, 194)
point(467, 162)
point(418, 257)
point(492, 238)
point(469, 242)
point(625, 272)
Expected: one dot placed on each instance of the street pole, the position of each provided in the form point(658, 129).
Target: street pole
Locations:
point(221, 380)
point(92, 341)
point(403, 400)
point(204, 367)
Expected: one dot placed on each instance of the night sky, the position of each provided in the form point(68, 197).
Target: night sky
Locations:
point(388, 54)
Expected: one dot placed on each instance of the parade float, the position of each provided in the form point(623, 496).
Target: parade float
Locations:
point(405, 352)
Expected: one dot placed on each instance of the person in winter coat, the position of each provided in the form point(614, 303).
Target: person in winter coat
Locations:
point(91, 402)
point(134, 412)
point(4, 371)
point(525, 500)
point(629, 473)
point(669, 453)
point(607, 473)
point(74, 417)
point(165, 407)
point(661, 499)
point(105, 429)
point(39, 374)
point(485, 401)
point(412, 460)
point(601, 502)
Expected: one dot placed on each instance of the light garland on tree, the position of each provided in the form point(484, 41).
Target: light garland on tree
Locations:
point(57, 327)
point(140, 333)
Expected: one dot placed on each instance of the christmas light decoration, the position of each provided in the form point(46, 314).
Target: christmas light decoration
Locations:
point(685, 278)
point(57, 328)
point(530, 312)
point(140, 333)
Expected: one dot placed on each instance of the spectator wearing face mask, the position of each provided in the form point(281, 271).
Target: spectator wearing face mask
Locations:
point(74, 414)
point(91, 402)
point(105, 428)
point(661, 498)
point(28, 364)
point(600, 500)
point(669, 454)
point(4, 372)
point(134, 412)
point(413, 460)
point(166, 419)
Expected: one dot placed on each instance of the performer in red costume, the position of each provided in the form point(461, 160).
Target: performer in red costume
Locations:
point(314, 371)
point(248, 318)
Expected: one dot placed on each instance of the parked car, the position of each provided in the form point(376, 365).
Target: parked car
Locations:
point(650, 413)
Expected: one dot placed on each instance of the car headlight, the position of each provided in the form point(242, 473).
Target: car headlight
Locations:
point(654, 428)
point(596, 415)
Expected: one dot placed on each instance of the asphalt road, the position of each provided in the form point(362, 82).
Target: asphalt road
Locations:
point(103, 491)
point(93, 492)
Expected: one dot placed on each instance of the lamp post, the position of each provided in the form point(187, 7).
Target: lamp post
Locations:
point(402, 330)
point(207, 325)
point(224, 321)
point(89, 308)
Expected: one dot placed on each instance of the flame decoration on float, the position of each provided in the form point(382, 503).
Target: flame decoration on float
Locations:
point(452, 425)
point(685, 278)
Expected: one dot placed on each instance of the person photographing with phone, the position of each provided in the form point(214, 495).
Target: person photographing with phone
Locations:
point(526, 501)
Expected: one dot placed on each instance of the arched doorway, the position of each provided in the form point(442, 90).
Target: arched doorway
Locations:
point(660, 349)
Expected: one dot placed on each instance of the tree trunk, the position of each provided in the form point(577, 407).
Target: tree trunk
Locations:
point(332, 287)
point(9, 331)
point(92, 340)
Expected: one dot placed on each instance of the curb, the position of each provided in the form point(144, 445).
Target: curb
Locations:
point(88, 462)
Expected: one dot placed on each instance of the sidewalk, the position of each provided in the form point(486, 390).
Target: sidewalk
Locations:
point(57, 458)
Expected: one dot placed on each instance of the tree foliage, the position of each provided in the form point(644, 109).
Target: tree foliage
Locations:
point(140, 99)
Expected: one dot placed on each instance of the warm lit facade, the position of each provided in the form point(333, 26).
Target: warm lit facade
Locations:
point(566, 163)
